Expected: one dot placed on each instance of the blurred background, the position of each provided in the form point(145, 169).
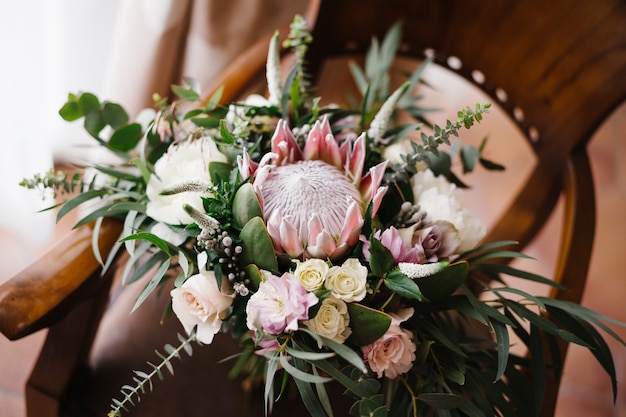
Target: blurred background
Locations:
point(124, 51)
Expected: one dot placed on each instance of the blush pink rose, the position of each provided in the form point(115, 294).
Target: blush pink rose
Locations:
point(199, 302)
point(394, 352)
point(279, 304)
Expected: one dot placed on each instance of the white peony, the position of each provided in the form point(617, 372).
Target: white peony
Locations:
point(187, 161)
point(199, 302)
point(311, 273)
point(348, 281)
point(441, 200)
point(332, 320)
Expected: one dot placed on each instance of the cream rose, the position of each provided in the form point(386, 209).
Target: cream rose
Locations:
point(394, 352)
point(311, 273)
point(183, 163)
point(348, 281)
point(199, 302)
point(332, 320)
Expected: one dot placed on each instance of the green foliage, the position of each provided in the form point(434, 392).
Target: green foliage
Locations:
point(144, 381)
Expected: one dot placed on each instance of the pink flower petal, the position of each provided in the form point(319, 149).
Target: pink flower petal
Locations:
point(356, 161)
point(352, 225)
point(284, 145)
point(289, 239)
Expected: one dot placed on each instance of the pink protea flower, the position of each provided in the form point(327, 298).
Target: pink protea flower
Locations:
point(314, 199)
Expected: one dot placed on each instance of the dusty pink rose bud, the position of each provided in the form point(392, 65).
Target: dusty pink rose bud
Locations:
point(394, 352)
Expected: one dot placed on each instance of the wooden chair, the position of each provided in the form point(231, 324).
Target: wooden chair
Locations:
point(557, 68)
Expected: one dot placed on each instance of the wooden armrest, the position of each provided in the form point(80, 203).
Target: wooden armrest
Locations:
point(45, 291)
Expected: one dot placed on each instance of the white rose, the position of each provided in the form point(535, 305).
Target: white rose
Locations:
point(311, 273)
point(331, 320)
point(348, 281)
point(441, 200)
point(199, 302)
point(187, 161)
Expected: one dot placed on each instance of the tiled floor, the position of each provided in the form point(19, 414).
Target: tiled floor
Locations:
point(585, 390)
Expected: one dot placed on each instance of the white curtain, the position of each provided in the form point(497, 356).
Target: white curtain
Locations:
point(121, 50)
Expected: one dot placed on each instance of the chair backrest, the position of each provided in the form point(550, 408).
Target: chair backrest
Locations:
point(556, 68)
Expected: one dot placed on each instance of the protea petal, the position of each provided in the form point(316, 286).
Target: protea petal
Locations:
point(289, 238)
point(325, 246)
point(316, 143)
point(284, 145)
point(315, 227)
point(377, 199)
point(356, 159)
point(352, 225)
point(246, 166)
point(371, 181)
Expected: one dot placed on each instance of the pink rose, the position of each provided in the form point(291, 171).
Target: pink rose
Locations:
point(199, 302)
point(393, 354)
point(279, 304)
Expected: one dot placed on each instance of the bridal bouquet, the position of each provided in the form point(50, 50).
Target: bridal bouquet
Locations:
point(295, 228)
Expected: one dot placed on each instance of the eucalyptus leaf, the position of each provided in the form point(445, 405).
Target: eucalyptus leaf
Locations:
point(70, 111)
point(245, 206)
point(367, 324)
point(115, 115)
point(442, 284)
point(257, 246)
point(88, 103)
point(126, 138)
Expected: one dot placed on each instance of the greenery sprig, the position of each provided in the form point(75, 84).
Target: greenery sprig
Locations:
point(143, 380)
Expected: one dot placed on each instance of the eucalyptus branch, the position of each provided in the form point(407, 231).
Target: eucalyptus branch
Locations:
point(430, 143)
point(144, 380)
point(58, 182)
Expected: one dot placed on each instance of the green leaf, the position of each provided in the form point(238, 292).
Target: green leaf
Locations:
point(126, 138)
point(308, 356)
point(404, 286)
point(301, 375)
point(219, 172)
point(257, 246)
point(438, 286)
point(502, 342)
point(381, 260)
point(254, 274)
point(245, 206)
point(367, 324)
point(490, 165)
point(309, 399)
point(115, 115)
point(79, 199)
point(145, 173)
point(118, 174)
point(343, 379)
point(88, 103)
point(154, 282)
point(185, 93)
point(469, 157)
point(440, 400)
point(94, 123)
point(70, 111)
point(215, 99)
point(154, 239)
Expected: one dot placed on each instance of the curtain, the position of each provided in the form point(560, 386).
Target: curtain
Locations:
point(121, 50)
